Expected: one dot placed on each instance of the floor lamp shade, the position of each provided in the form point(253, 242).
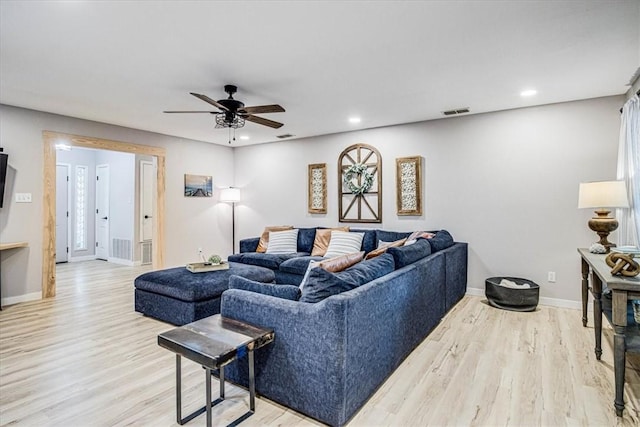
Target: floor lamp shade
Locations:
point(602, 196)
point(230, 195)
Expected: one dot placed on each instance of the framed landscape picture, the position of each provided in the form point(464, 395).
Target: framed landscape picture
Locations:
point(318, 188)
point(198, 186)
point(409, 185)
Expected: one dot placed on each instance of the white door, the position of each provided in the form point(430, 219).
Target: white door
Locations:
point(62, 213)
point(147, 178)
point(102, 212)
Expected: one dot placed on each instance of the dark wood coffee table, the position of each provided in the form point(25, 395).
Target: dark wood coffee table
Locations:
point(214, 342)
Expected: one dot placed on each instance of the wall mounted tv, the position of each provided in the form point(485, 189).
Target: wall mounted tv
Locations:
point(3, 174)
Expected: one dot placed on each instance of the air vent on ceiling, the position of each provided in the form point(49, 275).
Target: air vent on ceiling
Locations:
point(456, 111)
point(283, 136)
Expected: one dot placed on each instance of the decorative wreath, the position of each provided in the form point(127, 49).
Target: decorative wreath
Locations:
point(356, 170)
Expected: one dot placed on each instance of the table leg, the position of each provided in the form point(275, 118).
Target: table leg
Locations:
point(619, 359)
point(221, 371)
point(207, 385)
point(585, 291)
point(597, 313)
point(178, 390)
point(252, 383)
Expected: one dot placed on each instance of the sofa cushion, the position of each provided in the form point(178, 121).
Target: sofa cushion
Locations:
point(298, 265)
point(322, 238)
point(369, 241)
point(322, 284)
point(271, 261)
point(264, 238)
point(405, 255)
point(441, 240)
point(383, 248)
point(343, 242)
point(306, 237)
point(289, 292)
point(391, 236)
point(283, 242)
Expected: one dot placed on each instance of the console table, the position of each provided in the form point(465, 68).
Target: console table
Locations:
point(213, 342)
point(627, 336)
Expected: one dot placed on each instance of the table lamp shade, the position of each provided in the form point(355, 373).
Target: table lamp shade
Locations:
point(603, 194)
point(230, 194)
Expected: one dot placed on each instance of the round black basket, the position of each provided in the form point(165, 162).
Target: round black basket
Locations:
point(506, 298)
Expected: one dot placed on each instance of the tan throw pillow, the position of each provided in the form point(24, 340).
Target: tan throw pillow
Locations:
point(323, 237)
point(341, 262)
point(263, 244)
point(382, 249)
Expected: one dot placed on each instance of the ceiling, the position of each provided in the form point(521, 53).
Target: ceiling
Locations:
point(387, 62)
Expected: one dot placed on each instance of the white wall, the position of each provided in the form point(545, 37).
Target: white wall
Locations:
point(189, 221)
point(505, 182)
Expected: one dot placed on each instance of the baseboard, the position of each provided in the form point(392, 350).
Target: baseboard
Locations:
point(121, 261)
point(82, 258)
point(551, 302)
point(21, 298)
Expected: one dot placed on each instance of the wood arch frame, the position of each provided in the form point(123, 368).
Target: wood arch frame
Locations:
point(50, 139)
point(365, 207)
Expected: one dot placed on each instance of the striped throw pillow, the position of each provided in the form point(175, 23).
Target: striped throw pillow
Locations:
point(344, 242)
point(283, 242)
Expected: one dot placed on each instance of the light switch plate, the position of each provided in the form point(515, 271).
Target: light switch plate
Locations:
point(23, 197)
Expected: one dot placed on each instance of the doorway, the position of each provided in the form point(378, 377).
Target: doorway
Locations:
point(63, 171)
point(102, 212)
point(50, 139)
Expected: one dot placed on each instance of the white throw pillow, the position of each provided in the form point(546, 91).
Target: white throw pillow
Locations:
point(344, 242)
point(283, 242)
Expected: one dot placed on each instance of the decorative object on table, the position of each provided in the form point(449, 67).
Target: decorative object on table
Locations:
point(622, 264)
point(597, 248)
point(409, 185)
point(215, 259)
point(318, 188)
point(201, 267)
point(231, 195)
point(603, 195)
point(198, 185)
point(512, 293)
point(360, 184)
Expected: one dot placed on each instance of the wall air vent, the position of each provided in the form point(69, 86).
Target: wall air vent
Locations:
point(456, 111)
point(286, 135)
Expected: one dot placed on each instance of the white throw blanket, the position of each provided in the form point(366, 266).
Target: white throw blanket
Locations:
point(513, 285)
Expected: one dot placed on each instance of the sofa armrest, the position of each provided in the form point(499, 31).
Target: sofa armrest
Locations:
point(249, 245)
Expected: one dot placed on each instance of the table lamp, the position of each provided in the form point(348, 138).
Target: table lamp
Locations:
point(231, 195)
point(603, 195)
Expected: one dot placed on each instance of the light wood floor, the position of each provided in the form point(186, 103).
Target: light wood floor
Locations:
point(86, 358)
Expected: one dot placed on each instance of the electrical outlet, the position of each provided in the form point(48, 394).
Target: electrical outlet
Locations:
point(551, 277)
point(23, 197)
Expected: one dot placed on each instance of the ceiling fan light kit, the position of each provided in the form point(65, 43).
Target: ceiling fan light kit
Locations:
point(233, 114)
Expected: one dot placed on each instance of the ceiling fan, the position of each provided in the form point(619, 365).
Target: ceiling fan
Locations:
point(233, 113)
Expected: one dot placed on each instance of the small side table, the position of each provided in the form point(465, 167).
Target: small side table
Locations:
point(214, 342)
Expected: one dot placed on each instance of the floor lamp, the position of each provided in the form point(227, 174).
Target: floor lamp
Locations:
point(231, 195)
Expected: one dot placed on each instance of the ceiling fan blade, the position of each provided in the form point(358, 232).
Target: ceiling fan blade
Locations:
point(205, 98)
point(259, 109)
point(262, 121)
point(210, 112)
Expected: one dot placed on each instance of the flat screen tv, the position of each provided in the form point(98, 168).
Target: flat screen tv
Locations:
point(3, 175)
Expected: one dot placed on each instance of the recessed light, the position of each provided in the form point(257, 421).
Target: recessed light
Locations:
point(354, 119)
point(528, 92)
point(244, 137)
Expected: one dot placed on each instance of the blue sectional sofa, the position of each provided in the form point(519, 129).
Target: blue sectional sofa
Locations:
point(329, 357)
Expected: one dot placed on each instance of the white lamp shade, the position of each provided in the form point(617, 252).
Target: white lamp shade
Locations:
point(230, 195)
point(603, 194)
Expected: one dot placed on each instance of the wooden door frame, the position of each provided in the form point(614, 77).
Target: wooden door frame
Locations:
point(50, 139)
